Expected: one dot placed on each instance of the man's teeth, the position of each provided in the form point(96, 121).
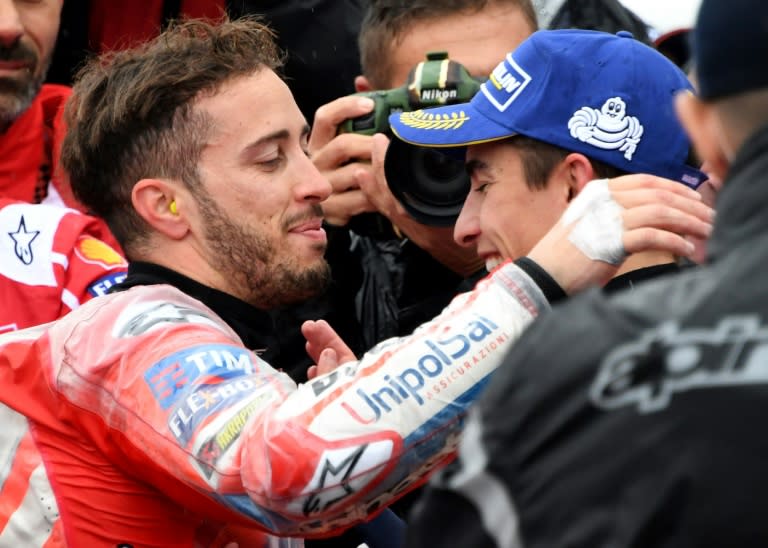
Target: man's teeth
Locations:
point(492, 263)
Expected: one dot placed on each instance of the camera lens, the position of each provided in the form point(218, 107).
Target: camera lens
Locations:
point(430, 184)
point(438, 167)
point(438, 178)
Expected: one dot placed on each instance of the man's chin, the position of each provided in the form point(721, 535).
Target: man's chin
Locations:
point(310, 282)
point(316, 279)
point(15, 98)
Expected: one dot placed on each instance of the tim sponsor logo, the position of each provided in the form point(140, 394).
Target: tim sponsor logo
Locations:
point(444, 361)
point(170, 376)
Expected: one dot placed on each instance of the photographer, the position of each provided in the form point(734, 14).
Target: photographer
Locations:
point(406, 271)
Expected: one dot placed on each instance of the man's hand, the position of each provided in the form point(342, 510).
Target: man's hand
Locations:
point(624, 215)
point(342, 158)
point(437, 241)
point(325, 347)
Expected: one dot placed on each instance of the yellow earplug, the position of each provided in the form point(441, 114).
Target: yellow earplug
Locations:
point(172, 208)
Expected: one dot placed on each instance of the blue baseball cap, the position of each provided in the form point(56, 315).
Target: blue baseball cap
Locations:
point(607, 96)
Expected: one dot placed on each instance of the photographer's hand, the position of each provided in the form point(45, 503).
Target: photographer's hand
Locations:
point(437, 241)
point(341, 157)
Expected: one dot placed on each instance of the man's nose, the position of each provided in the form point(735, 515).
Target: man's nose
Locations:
point(467, 227)
point(11, 27)
point(313, 185)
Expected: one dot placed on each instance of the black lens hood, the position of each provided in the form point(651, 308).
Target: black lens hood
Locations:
point(430, 183)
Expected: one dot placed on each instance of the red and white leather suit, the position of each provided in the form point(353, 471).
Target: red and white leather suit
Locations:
point(140, 419)
point(52, 260)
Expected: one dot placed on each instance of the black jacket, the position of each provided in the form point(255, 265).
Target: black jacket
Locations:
point(629, 421)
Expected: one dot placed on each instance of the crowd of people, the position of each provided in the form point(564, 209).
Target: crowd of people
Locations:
point(220, 327)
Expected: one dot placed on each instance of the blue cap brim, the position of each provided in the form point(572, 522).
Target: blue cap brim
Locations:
point(449, 126)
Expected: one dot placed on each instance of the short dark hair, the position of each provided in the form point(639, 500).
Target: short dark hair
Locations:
point(539, 159)
point(131, 114)
point(386, 21)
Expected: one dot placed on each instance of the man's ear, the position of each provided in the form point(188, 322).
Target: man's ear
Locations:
point(162, 206)
point(362, 84)
point(575, 171)
point(700, 121)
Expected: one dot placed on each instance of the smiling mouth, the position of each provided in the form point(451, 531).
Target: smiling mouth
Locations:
point(16, 65)
point(492, 261)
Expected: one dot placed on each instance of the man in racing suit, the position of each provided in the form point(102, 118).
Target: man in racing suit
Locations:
point(31, 126)
point(637, 420)
point(52, 260)
point(144, 418)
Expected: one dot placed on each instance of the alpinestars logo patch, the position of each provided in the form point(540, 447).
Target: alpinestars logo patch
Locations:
point(609, 128)
point(22, 242)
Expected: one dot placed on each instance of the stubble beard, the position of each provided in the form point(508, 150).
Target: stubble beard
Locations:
point(251, 262)
point(17, 96)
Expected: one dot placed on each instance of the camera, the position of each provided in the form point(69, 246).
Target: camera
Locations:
point(431, 185)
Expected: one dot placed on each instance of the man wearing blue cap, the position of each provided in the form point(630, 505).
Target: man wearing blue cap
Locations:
point(565, 108)
point(635, 420)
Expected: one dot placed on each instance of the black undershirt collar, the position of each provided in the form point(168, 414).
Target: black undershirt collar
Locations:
point(255, 327)
point(628, 280)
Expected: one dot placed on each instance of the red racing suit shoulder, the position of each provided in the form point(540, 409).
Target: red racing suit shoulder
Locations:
point(52, 259)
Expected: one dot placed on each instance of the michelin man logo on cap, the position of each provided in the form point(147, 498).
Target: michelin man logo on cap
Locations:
point(508, 80)
point(609, 128)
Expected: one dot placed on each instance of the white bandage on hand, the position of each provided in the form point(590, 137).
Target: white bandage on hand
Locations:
point(597, 229)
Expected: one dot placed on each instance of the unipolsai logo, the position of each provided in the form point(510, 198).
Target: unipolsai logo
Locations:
point(440, 356)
